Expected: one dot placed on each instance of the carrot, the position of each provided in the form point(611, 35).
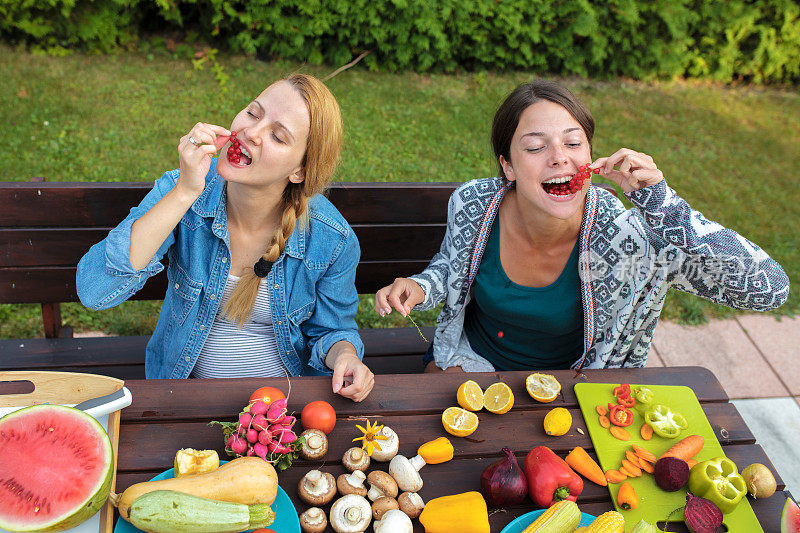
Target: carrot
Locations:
point(646, 432)
point(633, 458)
point(686, 448)
point(580, 462)
point(634, 470)
point(691, 463)
point(604, 421)
point(646, 467)
point(615, 476)
point(626, 497)
point(620, 433)
point(644, 454)
point(602, 411)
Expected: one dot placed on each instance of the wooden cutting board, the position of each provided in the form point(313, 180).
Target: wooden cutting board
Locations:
point(654, 503)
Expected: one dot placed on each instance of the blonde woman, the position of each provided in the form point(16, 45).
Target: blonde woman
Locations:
point(261, 266)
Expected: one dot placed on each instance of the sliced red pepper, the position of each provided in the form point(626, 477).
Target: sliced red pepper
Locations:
point(621, 416)
point(627, 401)
point(625, 388)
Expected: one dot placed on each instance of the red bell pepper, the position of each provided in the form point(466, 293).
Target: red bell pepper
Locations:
point(620, 416)
point(625, 389)
point(627, 401)
point(550, 479)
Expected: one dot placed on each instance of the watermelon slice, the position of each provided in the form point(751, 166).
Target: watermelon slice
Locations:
point(56, 466)
point(790, 518)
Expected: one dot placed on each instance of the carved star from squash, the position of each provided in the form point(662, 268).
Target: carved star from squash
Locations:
point(370, 437)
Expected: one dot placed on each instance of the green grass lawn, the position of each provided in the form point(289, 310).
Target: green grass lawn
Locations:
point(731, 152)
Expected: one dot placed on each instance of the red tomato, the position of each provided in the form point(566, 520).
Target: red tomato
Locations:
point(267, 394)
point(318, 415)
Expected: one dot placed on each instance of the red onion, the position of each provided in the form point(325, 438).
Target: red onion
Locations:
point(701, 515)
point(503, 483)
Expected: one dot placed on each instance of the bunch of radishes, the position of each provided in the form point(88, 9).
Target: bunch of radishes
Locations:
point(263, 430)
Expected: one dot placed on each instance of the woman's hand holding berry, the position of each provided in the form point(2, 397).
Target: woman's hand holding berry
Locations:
point(403, 295)
point(635, 169)
point(195, 151)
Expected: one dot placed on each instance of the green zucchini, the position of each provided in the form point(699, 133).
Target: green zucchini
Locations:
point(169, 511)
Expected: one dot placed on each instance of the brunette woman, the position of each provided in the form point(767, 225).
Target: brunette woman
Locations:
point(539, 270)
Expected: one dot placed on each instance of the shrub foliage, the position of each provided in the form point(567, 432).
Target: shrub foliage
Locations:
point(752, 40)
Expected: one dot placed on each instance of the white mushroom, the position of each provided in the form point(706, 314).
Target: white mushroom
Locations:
point(352, 483)
point(313, 520)
point(388, 447)
point(317, 488)
point(355, 459)
point(394, 521)
point(405, 473)
point(411, 503)
point(383, 504)
point(350, 514)
point(381, 484)
point(315, 444)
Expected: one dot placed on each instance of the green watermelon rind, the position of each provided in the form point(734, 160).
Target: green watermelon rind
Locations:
point(791, 512)
point(90, 506)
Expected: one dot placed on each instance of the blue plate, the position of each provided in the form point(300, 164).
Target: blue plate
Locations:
point(286, 520)
point(521, 522)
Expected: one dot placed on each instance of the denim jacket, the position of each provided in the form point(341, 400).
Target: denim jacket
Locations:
point(311, 286)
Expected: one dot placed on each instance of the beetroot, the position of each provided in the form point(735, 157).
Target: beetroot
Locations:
point(671, 473)
point(701, 515)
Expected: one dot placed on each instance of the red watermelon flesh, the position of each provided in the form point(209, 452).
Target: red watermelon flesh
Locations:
point(56, 466)
point(790, 518)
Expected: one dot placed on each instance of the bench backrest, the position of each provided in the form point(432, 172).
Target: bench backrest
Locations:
point(46, 227)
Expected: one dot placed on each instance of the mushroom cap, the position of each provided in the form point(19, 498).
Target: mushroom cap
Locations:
point(317, 524)
point(383, 504)
point(350, 514)
point(394, 521)
point(383, 482)
point(306, 451)
point(389, 447)
point(411, 503)
point(355, 459)
point(346, 487)
point(316, 498)
point(407, 477)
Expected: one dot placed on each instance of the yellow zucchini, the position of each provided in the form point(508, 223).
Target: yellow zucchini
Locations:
point(246, 480)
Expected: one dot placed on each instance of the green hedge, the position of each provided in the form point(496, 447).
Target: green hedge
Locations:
point(753, 40)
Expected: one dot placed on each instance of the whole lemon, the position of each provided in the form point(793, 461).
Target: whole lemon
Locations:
point(557, 422)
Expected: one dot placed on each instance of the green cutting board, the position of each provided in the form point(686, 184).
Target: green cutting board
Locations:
point(655, 504)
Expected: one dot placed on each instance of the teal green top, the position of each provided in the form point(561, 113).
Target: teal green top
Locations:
point(519, 328)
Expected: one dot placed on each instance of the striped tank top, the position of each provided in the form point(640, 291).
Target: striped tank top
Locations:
point(252, 351)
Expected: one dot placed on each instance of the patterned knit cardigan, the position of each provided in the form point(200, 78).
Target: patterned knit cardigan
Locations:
point(628, 261)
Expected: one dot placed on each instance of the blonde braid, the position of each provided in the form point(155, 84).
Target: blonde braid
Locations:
point(240, 305)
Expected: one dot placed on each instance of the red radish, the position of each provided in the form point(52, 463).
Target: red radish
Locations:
point(252, 435)
point(250, 452)
point(277, 411)
point(288, 438)
point(245, 419)
point(239, 445)
point(265, 437)
point(274, 447)
point(260, 423)
point(288, 421)
point(258, 408)
point(260, 450)
point(229, 442)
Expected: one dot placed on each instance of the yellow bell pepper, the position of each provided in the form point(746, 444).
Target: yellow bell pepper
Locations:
point(436, 451)
point(459, 513)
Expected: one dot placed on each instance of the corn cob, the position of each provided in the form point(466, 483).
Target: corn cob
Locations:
point(563, 517)
point(608, 522)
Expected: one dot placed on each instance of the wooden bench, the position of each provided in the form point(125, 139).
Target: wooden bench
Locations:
point(46, 227)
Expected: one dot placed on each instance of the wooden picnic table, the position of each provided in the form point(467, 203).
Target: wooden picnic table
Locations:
point(170, 414)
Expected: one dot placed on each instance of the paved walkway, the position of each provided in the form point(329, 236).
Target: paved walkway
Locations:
point(755, 358)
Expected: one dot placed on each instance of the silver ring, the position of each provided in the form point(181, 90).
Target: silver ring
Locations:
point(193, 141)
